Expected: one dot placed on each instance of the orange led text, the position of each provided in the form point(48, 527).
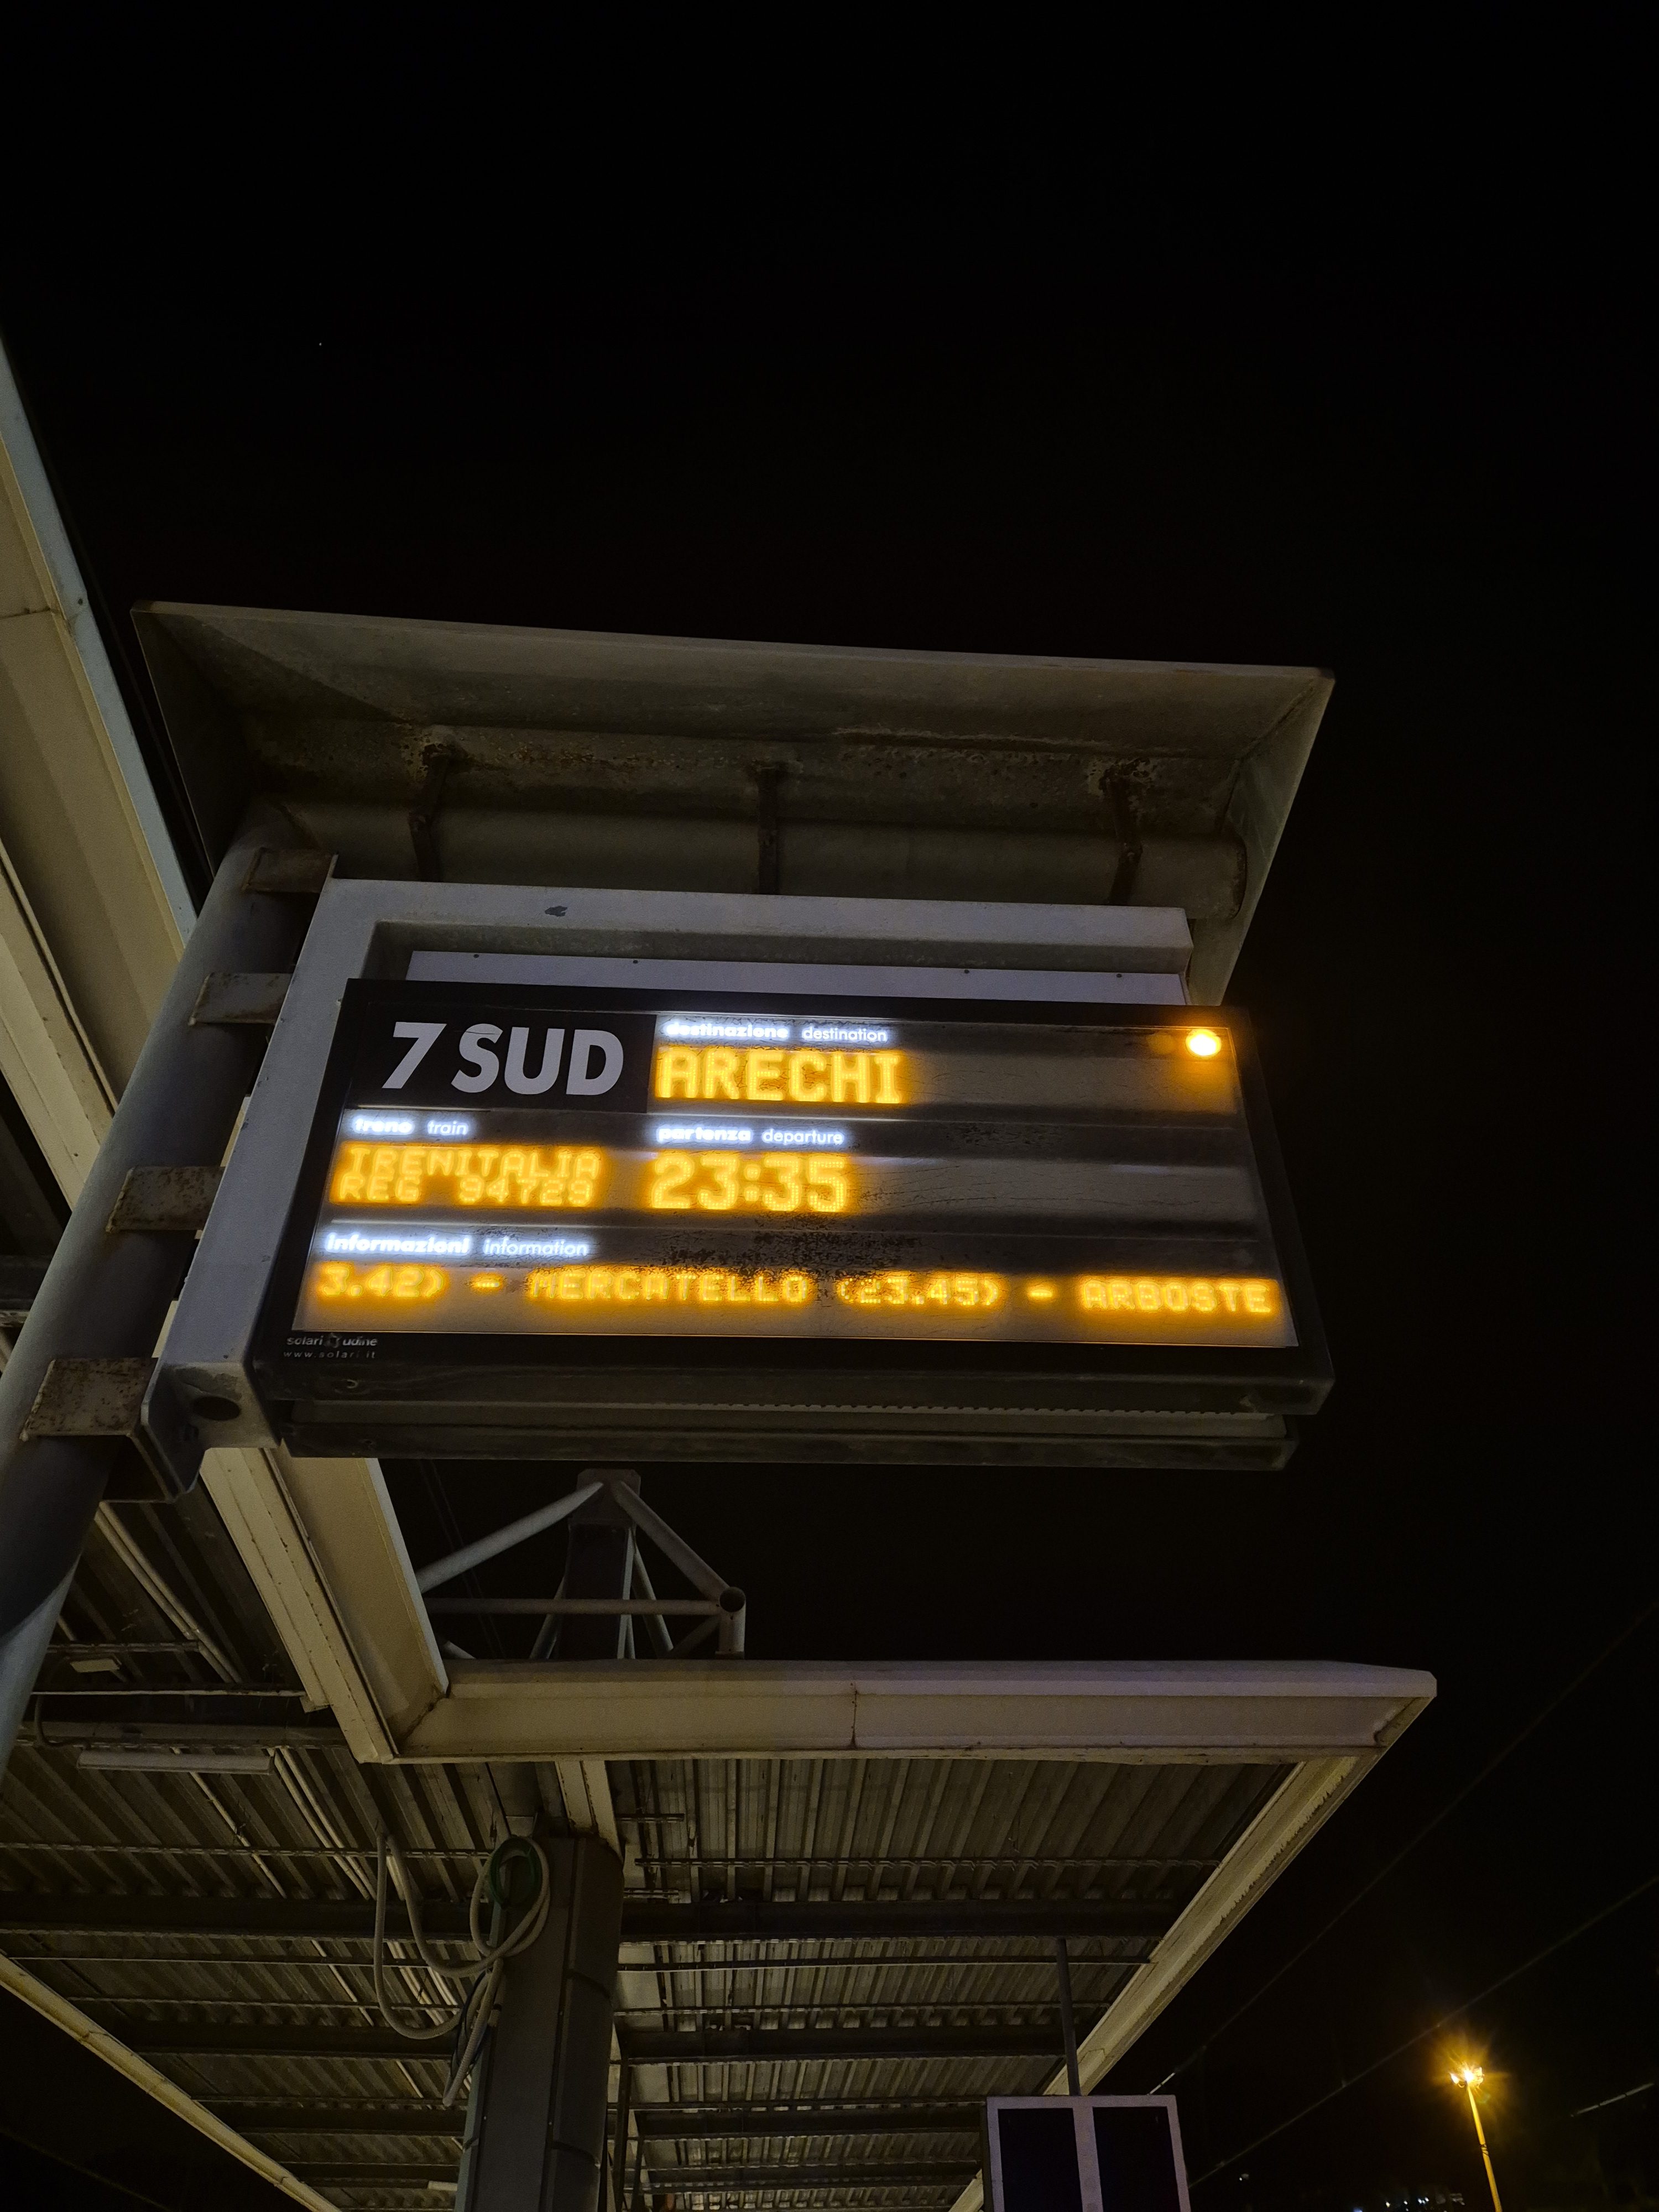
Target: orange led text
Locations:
point(773, 1077)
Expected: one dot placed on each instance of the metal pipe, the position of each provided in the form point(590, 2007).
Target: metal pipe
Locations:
point(381, 2115)
point(734, 1617)
point(695, 1638)
point(1067, 2019)
point(673, 1546)
point(93, 1650)
point(656, 1627)
point(503, 1539)
point(186, 1690)
point(647, 2047)
point(733, 2184)
point(1486, 2155)
point(706, 1607)
point(548, 1630)
point(645, 1919)
point(891, 1963)
point(107, 1297)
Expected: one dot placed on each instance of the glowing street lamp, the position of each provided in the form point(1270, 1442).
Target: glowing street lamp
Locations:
point(1469, 2078)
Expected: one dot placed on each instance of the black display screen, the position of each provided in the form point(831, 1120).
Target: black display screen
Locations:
point(502, 1166)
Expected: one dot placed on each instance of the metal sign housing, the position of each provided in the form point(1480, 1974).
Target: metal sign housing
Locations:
point(1084, 2154)
point(494, 1201)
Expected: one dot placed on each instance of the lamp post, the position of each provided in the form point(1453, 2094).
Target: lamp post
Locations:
point(1469, 2078)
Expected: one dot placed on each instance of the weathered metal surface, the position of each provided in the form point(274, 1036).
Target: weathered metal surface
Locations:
point(291, 871)
point(500, 756)
point(88, 1398)
point(257, 999)
point(165, 1201)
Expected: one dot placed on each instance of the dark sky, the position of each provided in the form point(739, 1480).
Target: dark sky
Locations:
point(1425, 478)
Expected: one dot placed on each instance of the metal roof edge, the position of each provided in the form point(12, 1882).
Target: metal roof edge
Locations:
point(685, 646)
point(1199, 1713)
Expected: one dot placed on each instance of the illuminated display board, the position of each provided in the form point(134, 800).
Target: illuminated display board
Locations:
point(515, 1176)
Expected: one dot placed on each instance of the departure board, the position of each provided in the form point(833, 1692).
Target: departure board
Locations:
point(497, 1166)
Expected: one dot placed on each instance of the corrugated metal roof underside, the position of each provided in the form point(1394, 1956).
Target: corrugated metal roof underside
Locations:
point(368, 2129)
point(275, 2025)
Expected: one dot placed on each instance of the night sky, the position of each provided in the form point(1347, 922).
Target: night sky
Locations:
point(1422, 479)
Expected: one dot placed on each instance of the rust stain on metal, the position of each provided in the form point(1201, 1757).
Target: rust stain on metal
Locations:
point(88, 1398)
point(165, 1200)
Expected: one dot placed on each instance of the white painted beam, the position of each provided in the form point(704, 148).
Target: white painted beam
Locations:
point(728, 1709)
point(584, 1785)
point(255, 1501)
point(38, 573)
point(357, 1549)
point(93, 905)
point(102, 2045)
point(46, 1056)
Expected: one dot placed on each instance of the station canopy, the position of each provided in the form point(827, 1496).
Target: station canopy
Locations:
point(843, 1883)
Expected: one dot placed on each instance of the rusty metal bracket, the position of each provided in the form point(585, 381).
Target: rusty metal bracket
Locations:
point(292, 871)
point(89, 1398)
point(105, 1400)
point(165, 1201)
point(256, 1000)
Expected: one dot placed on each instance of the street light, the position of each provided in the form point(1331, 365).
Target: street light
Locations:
point(1469, 2078)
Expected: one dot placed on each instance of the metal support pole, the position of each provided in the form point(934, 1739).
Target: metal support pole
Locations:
point(656, 1627)
point(503, 1539)
point(536, 2120)
point(601, 1557)
point(105, 1296)
point(619, 2146)
point(1486, 2155)
point(1068, 2022)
